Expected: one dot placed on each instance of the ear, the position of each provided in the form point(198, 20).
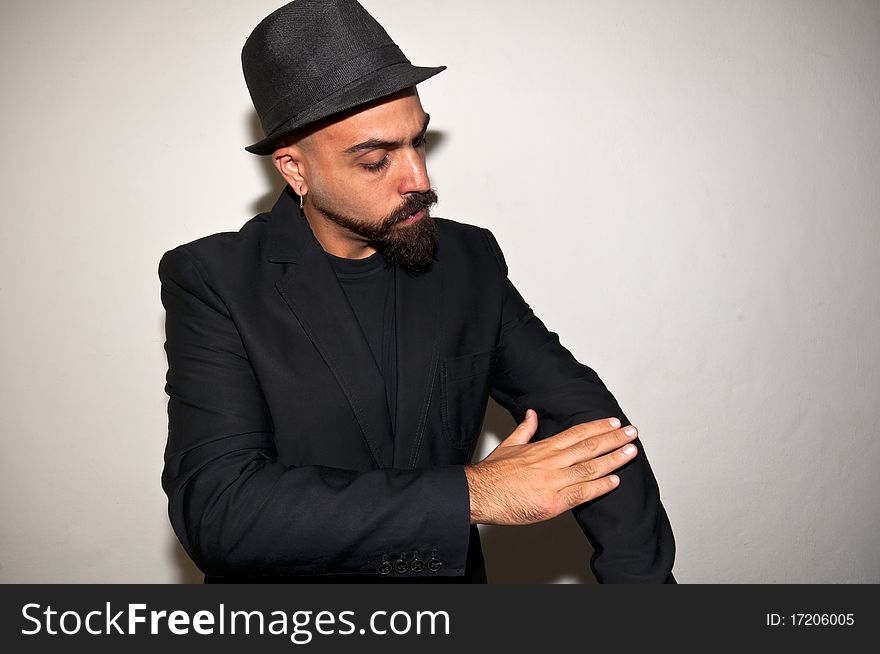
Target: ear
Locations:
point(290, 163)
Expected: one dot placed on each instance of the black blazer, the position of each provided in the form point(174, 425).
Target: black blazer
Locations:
point(281, 464)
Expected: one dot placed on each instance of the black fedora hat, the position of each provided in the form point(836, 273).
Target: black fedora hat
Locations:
point(312, 59)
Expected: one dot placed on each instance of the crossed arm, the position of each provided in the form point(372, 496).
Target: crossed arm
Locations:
point(628, 528)
point(237, 510)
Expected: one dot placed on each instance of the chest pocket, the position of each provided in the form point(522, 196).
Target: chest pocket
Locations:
point(464, 394)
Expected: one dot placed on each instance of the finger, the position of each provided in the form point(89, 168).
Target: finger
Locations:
point(524, 430)
point(595, 446)
point(600, 466)
point(584, 430)
point(577, 494)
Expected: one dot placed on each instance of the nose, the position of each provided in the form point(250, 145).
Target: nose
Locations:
point(414, 173)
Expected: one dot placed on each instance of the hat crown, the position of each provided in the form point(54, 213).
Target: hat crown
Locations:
point(301, 46)
point(311, 59)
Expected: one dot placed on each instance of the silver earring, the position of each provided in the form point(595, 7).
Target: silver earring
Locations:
point(301, 201)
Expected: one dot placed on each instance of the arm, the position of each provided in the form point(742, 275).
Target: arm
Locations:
point(628, 527)
point(236, 509)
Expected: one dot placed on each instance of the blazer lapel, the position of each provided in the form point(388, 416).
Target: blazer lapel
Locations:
point(314, 295)
point(418, 351)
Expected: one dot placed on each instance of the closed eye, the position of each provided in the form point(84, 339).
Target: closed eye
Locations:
point(420, 141)
point(377, 166)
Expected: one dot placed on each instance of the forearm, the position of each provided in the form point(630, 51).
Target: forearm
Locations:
point(245, 513)
point(628, 528)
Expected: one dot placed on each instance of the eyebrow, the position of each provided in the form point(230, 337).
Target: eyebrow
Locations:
point(387, 145)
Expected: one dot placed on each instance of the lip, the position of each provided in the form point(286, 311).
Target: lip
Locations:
point(414, 217)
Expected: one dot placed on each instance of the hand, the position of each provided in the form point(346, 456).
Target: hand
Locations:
point(521, 483)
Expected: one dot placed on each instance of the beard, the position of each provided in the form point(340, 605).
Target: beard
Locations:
point(409, 246)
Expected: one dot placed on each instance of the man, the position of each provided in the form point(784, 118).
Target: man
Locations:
point(330, 362)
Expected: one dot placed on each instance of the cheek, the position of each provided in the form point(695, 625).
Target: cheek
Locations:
point(365, 196)
point(374, 198)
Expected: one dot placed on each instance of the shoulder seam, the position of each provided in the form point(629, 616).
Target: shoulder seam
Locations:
point(492, 245)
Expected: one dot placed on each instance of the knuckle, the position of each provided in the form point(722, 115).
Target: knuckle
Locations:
point(588, 469)
point(543, 510)
point(574, 496)
point(591, 445)
point(525, 516)
point(592, 491)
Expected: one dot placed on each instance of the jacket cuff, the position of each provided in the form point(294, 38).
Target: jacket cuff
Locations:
point(442, 542)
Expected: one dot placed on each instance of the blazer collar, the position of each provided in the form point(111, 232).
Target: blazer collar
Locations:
point(289, 232)
point(316, 299)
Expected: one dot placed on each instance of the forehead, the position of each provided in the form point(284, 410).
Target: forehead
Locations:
point(394, 118)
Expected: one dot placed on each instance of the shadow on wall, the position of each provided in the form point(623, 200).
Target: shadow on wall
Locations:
point(187, 571)
point(274, 181)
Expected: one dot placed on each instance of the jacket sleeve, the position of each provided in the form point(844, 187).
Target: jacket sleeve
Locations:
point(236, 509)
point(628, 527)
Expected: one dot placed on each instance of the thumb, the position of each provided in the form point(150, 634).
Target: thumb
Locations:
point(524, 430)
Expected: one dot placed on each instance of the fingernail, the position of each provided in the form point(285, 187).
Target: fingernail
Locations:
point(615, 422)
point(629, 430)
point(614, 479)
point(629, 449)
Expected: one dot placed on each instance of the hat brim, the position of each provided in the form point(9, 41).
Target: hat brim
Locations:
point(373, 86)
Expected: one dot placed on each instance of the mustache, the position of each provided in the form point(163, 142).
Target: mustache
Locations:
point(413, 204)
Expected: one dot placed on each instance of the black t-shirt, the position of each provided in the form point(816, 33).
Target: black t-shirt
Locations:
point(369, 286)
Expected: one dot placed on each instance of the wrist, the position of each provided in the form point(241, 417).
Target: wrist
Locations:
point(475, 491)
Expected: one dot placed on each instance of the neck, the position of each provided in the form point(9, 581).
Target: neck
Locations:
point(334, 238)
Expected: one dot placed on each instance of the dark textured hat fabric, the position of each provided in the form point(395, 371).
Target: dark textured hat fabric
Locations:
point(312, 59)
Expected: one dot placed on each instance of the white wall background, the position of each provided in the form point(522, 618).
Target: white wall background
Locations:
point(705, 174)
